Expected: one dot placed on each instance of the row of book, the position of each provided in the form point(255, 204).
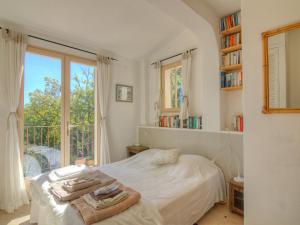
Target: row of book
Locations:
point(193, 122)
point(231, 40)
point(234, 79)
point(230, 21)
point(232, 58)
point(238, 123)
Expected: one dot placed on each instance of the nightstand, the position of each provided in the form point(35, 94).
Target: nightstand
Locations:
point(236, 197)
point(132, 150)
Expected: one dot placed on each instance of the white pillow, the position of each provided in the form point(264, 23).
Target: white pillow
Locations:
point(162, 157)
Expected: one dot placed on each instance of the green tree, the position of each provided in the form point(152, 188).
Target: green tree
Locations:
point(44, 109)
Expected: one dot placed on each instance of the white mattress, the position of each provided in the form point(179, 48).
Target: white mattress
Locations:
point(177, 194)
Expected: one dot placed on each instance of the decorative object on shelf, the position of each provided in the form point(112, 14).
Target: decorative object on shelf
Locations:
point(132, 150)
point(236, 197)
point(124, 93)
point(281, 53)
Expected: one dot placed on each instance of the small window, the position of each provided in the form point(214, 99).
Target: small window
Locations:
point(171, 83)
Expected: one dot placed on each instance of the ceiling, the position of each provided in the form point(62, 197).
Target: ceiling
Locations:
point(130, 28)
point(224, 7)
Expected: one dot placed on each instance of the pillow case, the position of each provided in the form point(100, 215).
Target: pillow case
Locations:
point(162, 157)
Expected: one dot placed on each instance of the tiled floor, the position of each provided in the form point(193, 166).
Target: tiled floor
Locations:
point(218, 215)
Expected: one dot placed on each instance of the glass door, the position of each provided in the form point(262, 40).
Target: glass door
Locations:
point(58, 111)
point(42, 112)
point(80, 112)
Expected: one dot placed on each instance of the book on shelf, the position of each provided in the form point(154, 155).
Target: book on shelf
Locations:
point(238, 123)
point(231, 40)
point(193, 122)
point(232, 58)
point(230, 21)
point(233, 79)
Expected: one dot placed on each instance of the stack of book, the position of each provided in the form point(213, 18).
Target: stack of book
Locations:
point(193, 122)
point(232, 58)
point(231, 40)
point(238, 123)
point(230, 21)
point(169, 121)
point(234, 79)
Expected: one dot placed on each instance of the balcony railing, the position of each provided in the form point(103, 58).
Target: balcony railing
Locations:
point(43, 147)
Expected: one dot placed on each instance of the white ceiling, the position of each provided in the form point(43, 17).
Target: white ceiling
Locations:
point(130, 28)
point(224, 7)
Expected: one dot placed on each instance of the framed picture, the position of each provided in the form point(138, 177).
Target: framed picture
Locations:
point(124, 93)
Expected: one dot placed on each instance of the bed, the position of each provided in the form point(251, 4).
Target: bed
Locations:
point(172, 194)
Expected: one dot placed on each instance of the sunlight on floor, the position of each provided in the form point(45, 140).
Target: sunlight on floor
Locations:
point(20, 217)
point(20, 221)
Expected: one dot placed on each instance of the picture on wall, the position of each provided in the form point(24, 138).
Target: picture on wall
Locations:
point(124, 93)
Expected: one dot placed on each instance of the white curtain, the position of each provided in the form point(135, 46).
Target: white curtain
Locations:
point(157, 103)
point(186, 73)
point(103, 90)
point(12, 187)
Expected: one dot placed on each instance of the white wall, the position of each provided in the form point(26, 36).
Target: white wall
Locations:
point(271, 142)
point(123, 116)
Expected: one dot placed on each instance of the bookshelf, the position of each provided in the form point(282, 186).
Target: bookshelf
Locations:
point(228, 68)
point(232, 30)
point(231, 48)
point(231, 77)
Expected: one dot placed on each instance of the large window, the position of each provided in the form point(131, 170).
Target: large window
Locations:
point(58, 111)
point(171, 83)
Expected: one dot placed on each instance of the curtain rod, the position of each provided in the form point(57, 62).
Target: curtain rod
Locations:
point(57, 43)
point(170, 57)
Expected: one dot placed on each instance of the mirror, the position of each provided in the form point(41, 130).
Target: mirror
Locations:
point(282, 69)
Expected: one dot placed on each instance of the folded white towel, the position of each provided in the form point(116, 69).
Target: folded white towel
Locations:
point(101, 204)
point(67, 172)
point(106, 189)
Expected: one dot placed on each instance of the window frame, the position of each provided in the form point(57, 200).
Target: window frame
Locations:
point(163, 96)
point(66, 60)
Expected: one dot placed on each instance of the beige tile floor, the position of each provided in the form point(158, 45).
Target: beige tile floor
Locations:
point(218, 215)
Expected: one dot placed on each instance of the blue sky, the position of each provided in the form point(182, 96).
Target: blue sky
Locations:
point(37, 67)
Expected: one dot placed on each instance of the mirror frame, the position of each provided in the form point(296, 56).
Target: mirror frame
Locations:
point(265, 36)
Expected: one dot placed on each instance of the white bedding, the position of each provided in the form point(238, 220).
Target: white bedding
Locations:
point(174, 194)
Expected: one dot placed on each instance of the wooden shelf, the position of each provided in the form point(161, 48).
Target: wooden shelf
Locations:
point(232, 88)
point(231, 49)
point(231, 67)
point(232, 30)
